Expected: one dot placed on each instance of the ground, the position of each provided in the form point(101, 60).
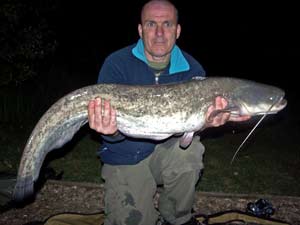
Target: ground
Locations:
point(58, 197)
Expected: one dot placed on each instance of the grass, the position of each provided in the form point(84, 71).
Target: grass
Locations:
point(79, 161)
point(269, 162)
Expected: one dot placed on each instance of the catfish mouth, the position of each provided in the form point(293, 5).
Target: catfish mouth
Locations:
point(281, 104)
point(276, 107)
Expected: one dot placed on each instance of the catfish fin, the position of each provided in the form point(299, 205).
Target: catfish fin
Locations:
point(233, 110)
point(186, 139)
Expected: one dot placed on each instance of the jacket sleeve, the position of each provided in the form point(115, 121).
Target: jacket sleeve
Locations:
point(113, 138)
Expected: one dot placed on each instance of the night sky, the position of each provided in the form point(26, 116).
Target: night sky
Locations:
point(244, 39)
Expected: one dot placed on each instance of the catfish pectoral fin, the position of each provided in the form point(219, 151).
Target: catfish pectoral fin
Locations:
point(186, 139)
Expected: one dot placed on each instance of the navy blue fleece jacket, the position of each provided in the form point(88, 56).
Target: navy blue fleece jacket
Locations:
point(129, 66)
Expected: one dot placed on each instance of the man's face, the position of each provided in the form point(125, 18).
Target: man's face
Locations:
point(159, 30)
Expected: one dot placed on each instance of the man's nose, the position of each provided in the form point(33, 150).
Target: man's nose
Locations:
point(159, 31)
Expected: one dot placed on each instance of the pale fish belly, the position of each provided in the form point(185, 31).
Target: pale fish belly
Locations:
point(160, 127)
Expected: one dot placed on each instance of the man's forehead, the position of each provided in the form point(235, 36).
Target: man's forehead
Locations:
point(158, 11)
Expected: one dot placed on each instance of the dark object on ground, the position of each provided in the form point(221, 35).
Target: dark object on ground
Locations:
point(261, 208)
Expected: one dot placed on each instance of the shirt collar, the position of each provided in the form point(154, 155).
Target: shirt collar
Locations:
point(178, 62)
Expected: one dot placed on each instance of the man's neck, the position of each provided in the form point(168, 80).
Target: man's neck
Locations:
point(158, 65)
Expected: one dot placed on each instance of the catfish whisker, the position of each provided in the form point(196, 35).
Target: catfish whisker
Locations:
point(252, 130)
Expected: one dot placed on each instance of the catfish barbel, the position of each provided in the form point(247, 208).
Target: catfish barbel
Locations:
point(143, 111)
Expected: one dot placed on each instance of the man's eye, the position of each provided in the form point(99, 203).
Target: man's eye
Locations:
point(168, 24)
point(150, 24)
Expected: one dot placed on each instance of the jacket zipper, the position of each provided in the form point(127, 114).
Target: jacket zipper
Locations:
point(157, 74)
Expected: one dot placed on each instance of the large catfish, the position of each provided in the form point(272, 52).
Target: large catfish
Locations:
point(150, 112)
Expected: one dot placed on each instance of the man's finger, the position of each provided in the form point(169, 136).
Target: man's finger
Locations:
point(113, 117)
point(91, 113)
point(98, 111)
point(220, 102)
point(106, 115)
point(239, 118)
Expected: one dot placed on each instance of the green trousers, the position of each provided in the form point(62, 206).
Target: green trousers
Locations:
point(129, 189)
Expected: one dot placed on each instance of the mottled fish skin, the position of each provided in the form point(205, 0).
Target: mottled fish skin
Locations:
point(151, 112)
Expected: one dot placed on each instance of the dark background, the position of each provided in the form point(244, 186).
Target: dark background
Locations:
point(51, 47)
point(244, 39)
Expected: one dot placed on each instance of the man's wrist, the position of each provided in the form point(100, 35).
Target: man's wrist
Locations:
point(117, 136)
point(114, 134)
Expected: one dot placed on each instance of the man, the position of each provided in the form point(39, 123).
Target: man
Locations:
point(133, 168)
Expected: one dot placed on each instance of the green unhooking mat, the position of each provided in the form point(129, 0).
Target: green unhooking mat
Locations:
point(225, 218)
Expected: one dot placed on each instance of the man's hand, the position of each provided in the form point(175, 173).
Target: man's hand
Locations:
point(102, 118)
point(215, 117)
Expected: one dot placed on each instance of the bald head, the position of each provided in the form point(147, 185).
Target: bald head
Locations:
point(156, 5)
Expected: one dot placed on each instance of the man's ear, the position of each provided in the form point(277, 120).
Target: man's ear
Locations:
point(140, 30)
point(178, 31)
